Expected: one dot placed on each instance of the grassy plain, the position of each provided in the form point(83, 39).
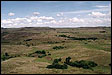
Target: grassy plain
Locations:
point(13, 42)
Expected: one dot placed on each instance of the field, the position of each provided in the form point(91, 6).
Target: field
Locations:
point(90, 43)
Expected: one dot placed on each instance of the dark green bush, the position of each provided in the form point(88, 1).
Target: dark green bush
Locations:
point(49, 54)
point(42, 56)
point(67, 59)
point(58, 47)
point(40, 52)
point(5, 56)
point(63, 35)
point(82, 63)
point(56, 65)
point(27, 45)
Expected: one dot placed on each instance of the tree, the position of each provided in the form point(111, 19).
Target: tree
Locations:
point(6, 54)
point(43, 52)
point(68, 60)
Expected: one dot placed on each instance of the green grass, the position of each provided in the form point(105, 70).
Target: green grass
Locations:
point(98, 46)
point(98, 51)
point(102, 69)
point(43, 60)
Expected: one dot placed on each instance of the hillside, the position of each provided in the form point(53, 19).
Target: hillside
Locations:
point(90, 43)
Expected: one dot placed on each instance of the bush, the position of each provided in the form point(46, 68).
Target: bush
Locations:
point(5, 56)
point(40, 52)
point(58, 47)
point(63, 36)
point(42, 56)
point(43, 52)
point(49, 54)
point(27, 45)
point(67, 59)
point(56, 65)
point(84, 64)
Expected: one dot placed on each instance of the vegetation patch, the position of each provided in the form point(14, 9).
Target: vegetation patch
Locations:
point(56, 65)
point(81, 64)
point(58, 47)
point(63, 35)
point(5, 56)
point(74, 38)
point(28, 40)
point(51, 42)
point(38, 54)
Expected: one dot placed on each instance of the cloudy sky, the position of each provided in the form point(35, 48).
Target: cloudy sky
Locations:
point(15, 14)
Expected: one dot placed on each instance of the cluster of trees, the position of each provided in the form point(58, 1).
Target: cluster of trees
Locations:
point(40, 54)
point(28, 40)
point(5, 56)
point(58, 47)
point(43, 55)
point(26, 44)
point(56, 65)
point(102, 31)
point(63, 35)
point(82, 63)
point(51, 42)
point(74, 38)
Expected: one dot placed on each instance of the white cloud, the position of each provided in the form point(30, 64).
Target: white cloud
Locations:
point(76, 20)
point(59, 14)
point(6, 21)
point(11, 14)
point(53, 21)
point(27, 21)
point(95, 18)
point(99, 9)
point(36, 13)
point(101, 6)
point(46, 18)
point(97, 14)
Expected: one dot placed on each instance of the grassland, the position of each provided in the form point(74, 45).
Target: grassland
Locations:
point(15, 41)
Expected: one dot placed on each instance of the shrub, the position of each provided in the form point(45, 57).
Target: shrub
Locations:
point(43, 52)
point(49, 54)
point(56, 65)
point(5, 56)
point(84, 64)
point(40, 52)
point(55, 61)
point(63, 35)
point(67, 59)
point(27, 45)
point(42, 56)
point(58, 47)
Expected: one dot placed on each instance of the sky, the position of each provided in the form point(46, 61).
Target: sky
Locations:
point(56, 14)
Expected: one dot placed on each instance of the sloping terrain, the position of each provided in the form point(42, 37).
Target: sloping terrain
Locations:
point(20, 42)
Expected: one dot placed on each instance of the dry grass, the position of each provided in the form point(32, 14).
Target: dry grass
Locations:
point(98, 51)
